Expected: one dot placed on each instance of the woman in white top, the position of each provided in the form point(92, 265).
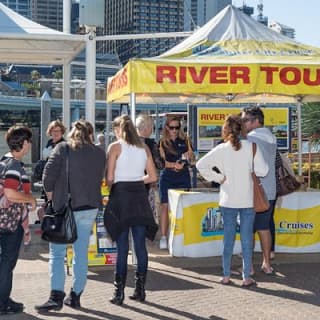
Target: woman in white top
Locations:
point(128, 160)
point(234, 159)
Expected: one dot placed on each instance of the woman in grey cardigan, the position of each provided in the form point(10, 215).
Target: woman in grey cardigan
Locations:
point(86, 170)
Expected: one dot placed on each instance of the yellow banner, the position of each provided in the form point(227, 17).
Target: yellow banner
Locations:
point(297, 229)
point(174, 77)
point(294, 228)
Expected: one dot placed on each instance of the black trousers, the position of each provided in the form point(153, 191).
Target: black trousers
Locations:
point(9, 251)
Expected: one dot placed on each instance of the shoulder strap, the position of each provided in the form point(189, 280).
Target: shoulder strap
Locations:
point(254, 150)
point(67, 167)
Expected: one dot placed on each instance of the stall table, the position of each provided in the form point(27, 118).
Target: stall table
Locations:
point(196, 223)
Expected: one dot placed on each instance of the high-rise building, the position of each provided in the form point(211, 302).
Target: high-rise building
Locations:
point(198, 12)
point(247, 10)
point(283, 29)
point(134, 17)
point(49, 13)
point(20, 6)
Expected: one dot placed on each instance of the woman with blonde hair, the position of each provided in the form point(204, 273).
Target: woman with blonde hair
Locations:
point(128, 160)
point(55, 131)
point(177, 153)
point(86, 170)
point(234, 160)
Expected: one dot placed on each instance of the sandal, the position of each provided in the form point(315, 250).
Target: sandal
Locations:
point(248, 283)
point(225, 281)
point(267, 271)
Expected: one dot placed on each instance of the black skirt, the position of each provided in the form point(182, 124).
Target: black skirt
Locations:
point(129, 206)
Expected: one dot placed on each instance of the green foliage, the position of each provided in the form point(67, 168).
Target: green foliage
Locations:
point(35, 75)
point(57, 74)
point(310, 126)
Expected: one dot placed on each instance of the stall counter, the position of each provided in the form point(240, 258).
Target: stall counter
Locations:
point(196, 224)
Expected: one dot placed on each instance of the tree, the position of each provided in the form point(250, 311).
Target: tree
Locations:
point(35, 75)
point(57, 74)
point(310, 126)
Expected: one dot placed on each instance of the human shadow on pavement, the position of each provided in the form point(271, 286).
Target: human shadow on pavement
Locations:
point(163, 308)
point(19, 316)
point(157, 281)
point(85, 316)
point(299, 276)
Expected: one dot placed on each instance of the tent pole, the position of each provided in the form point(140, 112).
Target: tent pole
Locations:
point(91, 75)
point(66, 68)
point(108, 124)
point(66, 96)
point(133, 106)
point(299, 103)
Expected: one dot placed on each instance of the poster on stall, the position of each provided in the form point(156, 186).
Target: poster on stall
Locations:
point(210, 121)
point(101, 251)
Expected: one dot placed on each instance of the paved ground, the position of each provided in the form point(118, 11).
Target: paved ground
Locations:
point(178, 288)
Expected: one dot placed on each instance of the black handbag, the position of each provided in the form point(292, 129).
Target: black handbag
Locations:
point(60, 226)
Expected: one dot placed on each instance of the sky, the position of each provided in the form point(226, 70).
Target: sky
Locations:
point(302, 15)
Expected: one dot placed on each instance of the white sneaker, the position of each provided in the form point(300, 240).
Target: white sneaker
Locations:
point(163, 243)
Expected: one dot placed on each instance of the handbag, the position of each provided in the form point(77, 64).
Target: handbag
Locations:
point(260, 200)
point(59, 226)
point(286, 182)
point(10, 213)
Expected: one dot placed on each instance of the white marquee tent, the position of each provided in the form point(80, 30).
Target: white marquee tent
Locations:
point(24, 41)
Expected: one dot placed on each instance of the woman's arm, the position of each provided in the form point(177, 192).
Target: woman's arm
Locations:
point(206, 164)
point(53, 167)
point(151, 175)
point(20, 197)
point(113, 152)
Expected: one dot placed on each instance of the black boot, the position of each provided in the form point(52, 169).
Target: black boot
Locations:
point(55, 302)
point(139, 291)
point(73, 300)
point(11, 307)
point(118, 295)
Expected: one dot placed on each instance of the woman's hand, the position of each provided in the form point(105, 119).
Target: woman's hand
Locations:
point(178, 165)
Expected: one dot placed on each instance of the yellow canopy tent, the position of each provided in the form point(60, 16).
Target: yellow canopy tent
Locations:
point(232, 58)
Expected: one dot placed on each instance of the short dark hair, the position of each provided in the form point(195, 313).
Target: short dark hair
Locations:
point(254, 112)
point(16, 136)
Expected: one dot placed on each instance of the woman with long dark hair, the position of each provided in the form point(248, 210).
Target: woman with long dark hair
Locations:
point(234, 159)
point(128, 160)
point(86, 170)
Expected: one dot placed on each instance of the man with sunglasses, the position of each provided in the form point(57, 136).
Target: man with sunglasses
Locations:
point(253, 119)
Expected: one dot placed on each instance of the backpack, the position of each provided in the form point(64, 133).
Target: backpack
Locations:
point(10, 213)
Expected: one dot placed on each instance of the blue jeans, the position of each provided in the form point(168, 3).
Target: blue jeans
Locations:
point(247, 216)
point(9, 251)
point(139, 240)
point(84, 220)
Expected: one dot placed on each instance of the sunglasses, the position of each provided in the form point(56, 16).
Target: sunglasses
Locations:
point(173, 128)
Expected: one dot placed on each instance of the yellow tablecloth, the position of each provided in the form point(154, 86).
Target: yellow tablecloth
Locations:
point(196, 228)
